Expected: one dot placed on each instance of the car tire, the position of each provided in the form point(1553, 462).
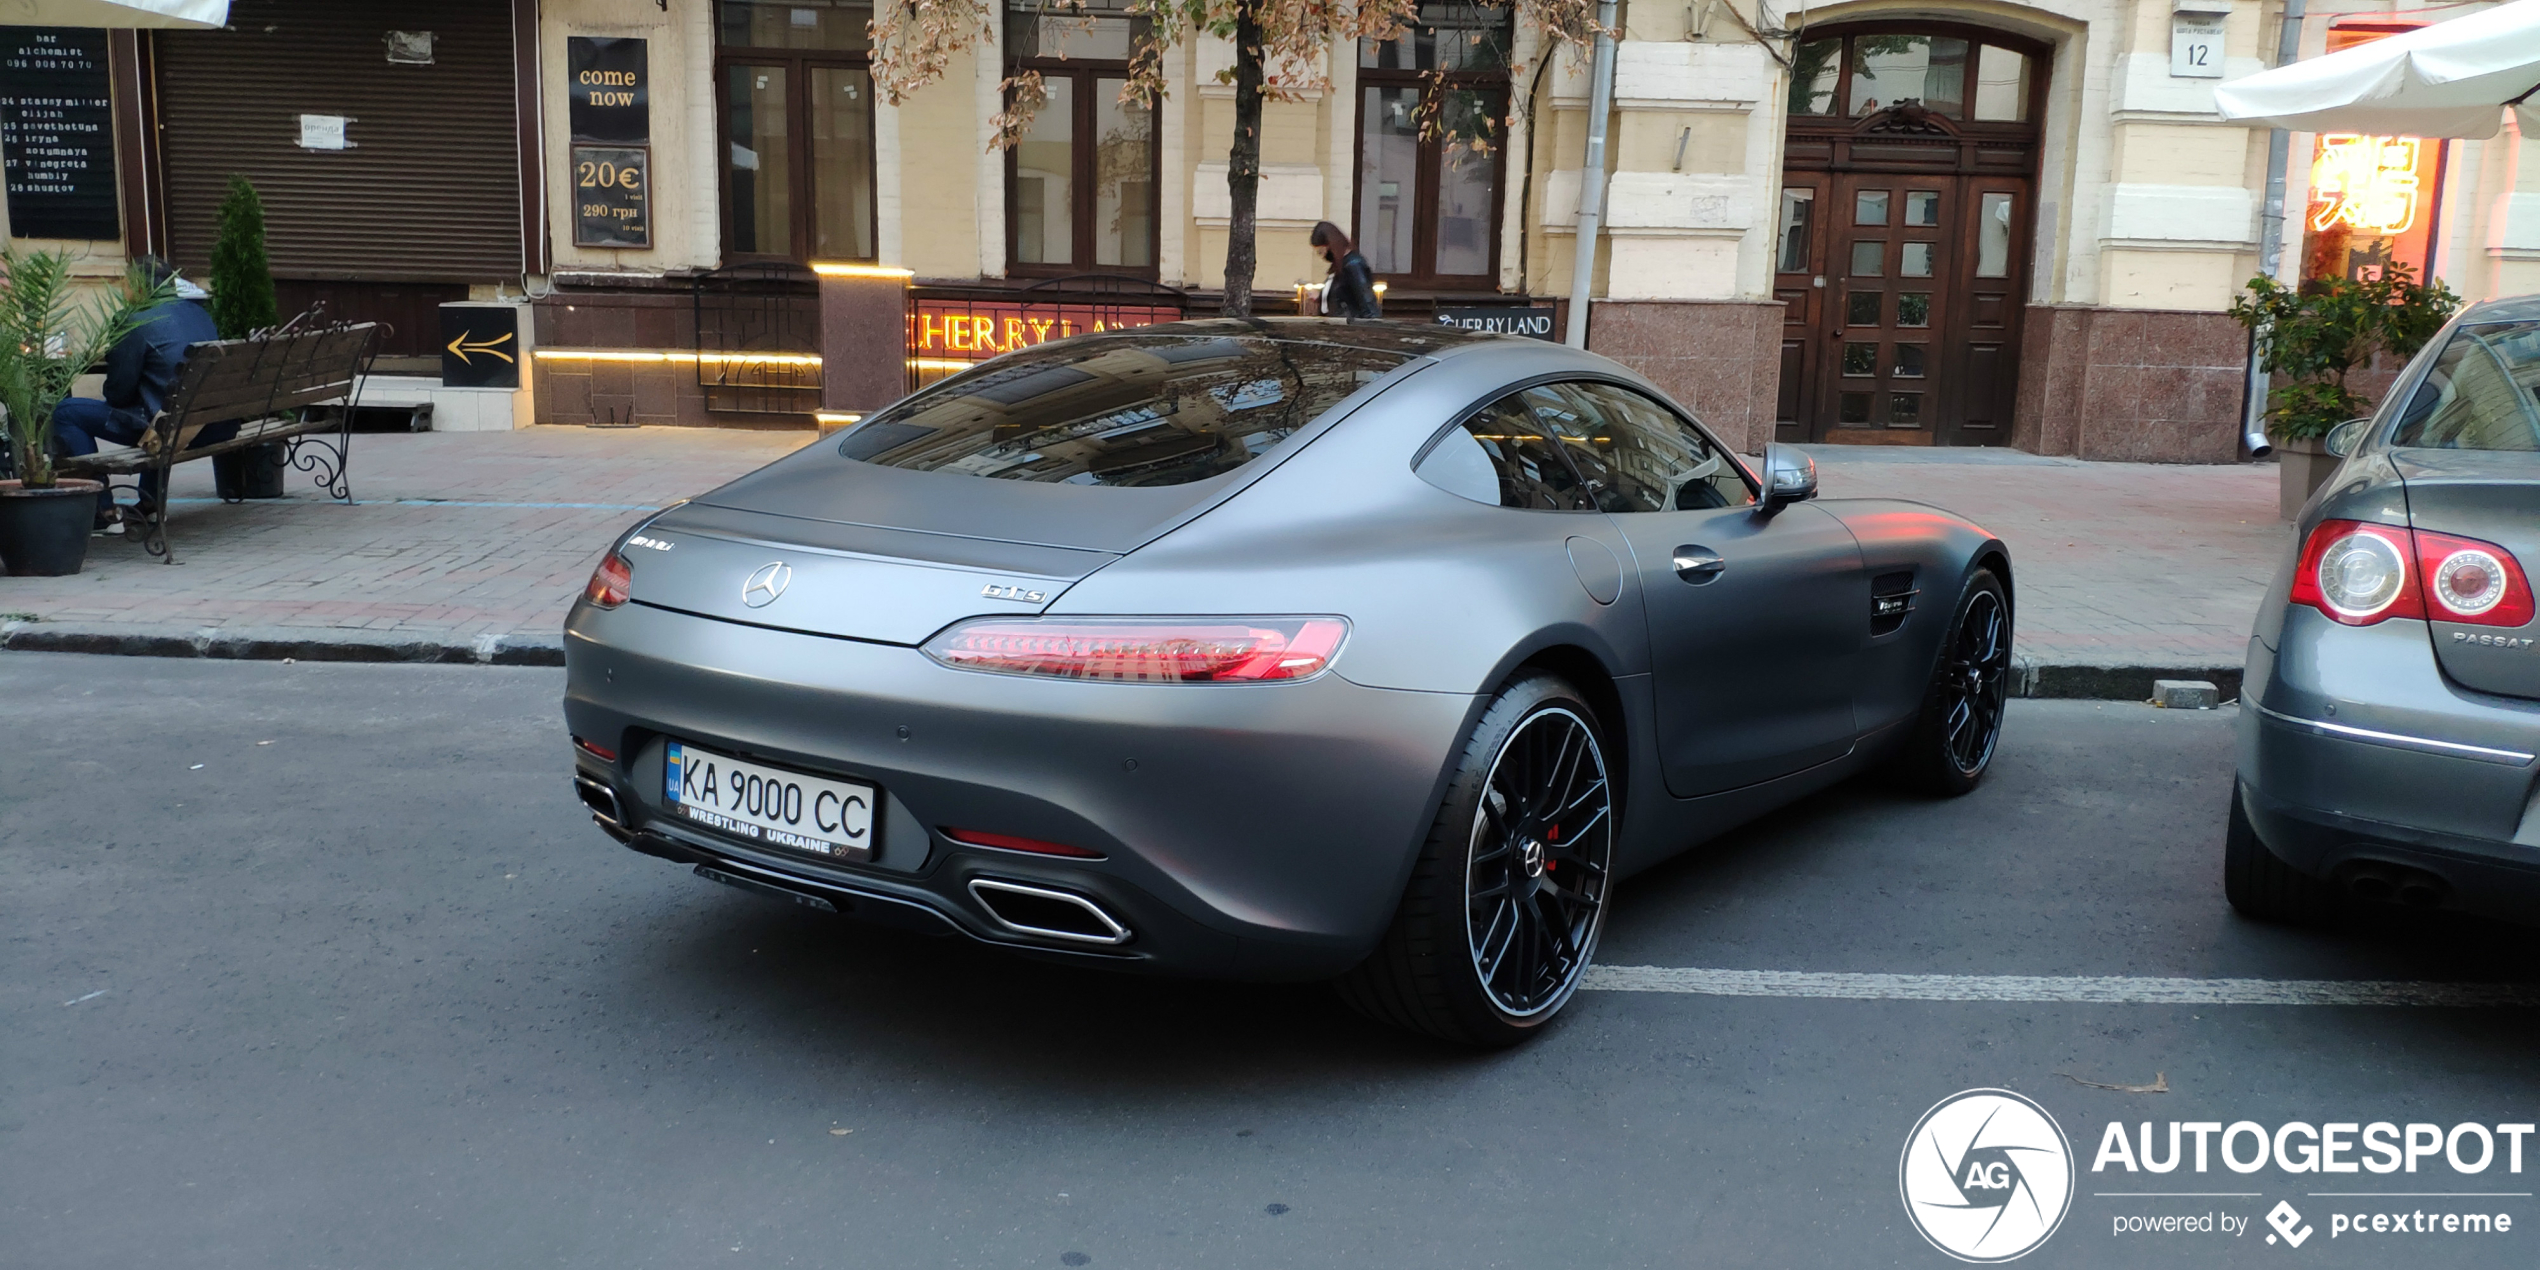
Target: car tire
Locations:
point(1960, 724)
point(2261, 885)
point(1531, 798)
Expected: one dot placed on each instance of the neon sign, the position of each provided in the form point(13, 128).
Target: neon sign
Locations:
point(976, 330)
point(2370, 184)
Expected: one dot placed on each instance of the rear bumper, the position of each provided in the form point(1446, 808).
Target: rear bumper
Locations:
point(2360, 763)
point(1252, 831)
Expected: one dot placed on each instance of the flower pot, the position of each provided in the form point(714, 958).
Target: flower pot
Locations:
point(255, 472)
point(2303, 466)
point(44, 532)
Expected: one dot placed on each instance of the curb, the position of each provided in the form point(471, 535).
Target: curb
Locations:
point(2029, 678)
point(281, 643)
point(2068, 681)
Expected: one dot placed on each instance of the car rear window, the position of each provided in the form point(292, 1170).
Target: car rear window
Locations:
point(2482, 393)
point(1135, 410)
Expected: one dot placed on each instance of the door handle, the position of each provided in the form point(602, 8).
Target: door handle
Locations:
point(1699, 565)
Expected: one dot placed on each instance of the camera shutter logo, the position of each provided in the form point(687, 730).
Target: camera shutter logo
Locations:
point(1986, 1176)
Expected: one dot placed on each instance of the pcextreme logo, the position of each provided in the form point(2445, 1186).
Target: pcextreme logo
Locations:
point(1986, 1176)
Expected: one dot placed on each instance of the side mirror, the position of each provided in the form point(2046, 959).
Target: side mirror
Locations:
point(1789, 477)
point(2342, 439)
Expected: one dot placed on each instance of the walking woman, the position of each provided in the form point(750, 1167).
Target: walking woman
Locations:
point(1350, 289)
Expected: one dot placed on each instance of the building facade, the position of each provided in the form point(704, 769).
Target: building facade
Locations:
point(1978, 222)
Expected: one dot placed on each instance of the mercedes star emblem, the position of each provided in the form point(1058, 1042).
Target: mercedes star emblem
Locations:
point(765, 584)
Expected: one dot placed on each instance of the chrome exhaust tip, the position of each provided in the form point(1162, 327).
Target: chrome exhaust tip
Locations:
point(603, 804)
point(1044, 913)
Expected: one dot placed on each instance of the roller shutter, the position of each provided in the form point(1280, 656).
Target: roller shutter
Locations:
point(429, 189)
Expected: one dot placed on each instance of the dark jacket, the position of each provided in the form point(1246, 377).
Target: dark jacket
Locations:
point(141, 368)
point(1351, 290)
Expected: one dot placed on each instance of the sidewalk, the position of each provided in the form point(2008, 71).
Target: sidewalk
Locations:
point(470, 546)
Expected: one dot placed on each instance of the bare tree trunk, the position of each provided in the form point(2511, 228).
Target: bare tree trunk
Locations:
point(1243, 164)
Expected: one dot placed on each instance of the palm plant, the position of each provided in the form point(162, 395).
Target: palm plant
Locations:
point(49, 337)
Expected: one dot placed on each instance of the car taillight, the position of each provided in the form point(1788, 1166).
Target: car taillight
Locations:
point(2361, 573)
point(2470, 581)
point(1144, 650)
point(1008, 842)
point(610, 581)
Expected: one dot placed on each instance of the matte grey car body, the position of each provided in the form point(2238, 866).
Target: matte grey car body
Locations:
point(1255, 830)
point(2393, 757)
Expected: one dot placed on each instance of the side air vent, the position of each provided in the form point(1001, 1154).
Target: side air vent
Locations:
point(1891, 601)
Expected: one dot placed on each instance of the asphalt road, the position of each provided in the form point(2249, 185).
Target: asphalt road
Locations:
point(320, 965)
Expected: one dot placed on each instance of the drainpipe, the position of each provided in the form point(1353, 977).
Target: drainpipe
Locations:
point(1592, 174)
point(2253, 422)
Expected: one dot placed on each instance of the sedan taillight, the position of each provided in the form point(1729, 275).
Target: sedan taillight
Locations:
point(1144, 650)
point(610, 582)
point(2361, 573)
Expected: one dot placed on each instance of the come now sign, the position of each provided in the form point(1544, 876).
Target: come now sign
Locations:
point(976, 330)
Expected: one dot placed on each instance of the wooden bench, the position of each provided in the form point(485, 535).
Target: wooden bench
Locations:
point(275, 387)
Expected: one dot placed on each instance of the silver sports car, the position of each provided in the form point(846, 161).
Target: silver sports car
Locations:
point(2393, 684)
point(1277, 649)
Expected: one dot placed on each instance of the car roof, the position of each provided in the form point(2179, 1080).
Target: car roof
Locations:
point(2512, 308)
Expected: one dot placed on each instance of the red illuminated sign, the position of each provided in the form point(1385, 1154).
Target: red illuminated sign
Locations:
point(976, 330)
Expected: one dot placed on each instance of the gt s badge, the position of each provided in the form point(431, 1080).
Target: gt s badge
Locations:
point(639, 540)
point(1018, 594)
point(2498, 641)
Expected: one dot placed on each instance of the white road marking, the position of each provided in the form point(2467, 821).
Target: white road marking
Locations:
point(2086, 989)
point(90, 997)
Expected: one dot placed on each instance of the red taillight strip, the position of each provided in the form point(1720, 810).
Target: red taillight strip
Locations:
point(1008, 842)
point(2422, 553)
point(601, 753)
point(1144, 649)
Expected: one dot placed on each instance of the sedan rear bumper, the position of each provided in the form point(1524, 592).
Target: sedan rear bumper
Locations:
point(2361, 764)
point(1249, 831)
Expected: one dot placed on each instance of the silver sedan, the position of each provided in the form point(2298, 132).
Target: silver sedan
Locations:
point(2393, 683)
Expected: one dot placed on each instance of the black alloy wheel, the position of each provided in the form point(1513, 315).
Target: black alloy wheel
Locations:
point(1953, 742)
point(1545, 807)
point(1500, 920)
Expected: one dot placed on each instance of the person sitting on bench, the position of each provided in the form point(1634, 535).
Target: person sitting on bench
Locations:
point(141, 371)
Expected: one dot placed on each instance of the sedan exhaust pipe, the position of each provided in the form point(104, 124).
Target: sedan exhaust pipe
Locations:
point(2397, 884)
point(1047, 914)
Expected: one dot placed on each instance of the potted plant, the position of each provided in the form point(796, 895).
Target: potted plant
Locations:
point(243, 304)
point(47, 339)
point(2312, 336)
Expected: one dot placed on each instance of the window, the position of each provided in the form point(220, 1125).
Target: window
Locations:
point(1637, 455)
point(1950, 75)
point(1583, 447)
point(797, 103)
point(1427, 208)
point(1799, 206)
point(1124, 410)
point(1081, 184)
point(2482, 393)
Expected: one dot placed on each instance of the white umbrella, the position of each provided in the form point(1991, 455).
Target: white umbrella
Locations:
point(2452, 79)
point(187, 14)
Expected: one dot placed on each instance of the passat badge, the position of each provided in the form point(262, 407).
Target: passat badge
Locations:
point(765, 584)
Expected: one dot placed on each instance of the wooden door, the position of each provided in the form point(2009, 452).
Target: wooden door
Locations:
point(1799, 282)
point(1892, 258)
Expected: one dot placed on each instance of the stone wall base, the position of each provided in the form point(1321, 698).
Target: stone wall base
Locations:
point(1720, 358)
point(2131, 385)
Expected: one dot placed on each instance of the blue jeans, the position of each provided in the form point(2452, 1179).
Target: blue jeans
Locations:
point(78, 424)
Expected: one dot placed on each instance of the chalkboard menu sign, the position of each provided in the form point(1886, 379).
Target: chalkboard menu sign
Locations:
point(612, 196)
point(57, 133)
point(612, 131)
point(606, 90)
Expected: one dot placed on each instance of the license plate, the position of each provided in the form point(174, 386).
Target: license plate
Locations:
point(769, 804)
